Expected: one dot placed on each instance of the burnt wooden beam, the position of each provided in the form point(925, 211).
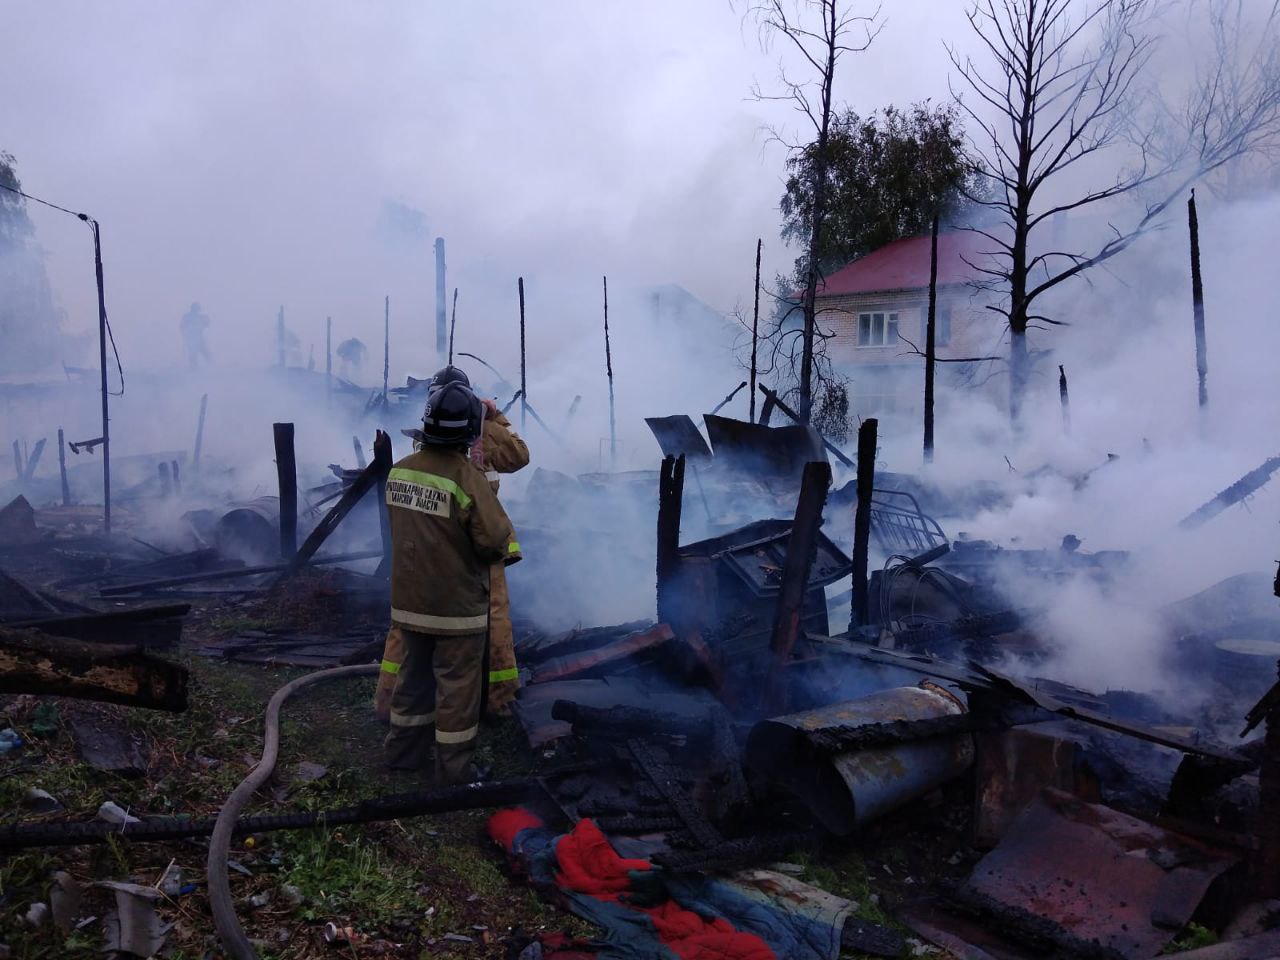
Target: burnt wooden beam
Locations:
point(1250, 483)
point(145, 627)
point(31, 662)
point(802, 546)
point(670, 500)
point(29, 470)
point(860, 610)
point(287, 477)
point(369, 478)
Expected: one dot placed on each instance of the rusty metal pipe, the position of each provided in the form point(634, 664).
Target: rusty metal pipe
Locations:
point(849, 789)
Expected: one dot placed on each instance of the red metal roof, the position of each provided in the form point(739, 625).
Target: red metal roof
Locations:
point(904, 265)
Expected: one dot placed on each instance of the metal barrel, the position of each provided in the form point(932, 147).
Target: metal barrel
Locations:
point(844, 790)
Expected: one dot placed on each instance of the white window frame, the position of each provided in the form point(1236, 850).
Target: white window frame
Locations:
point(882, 328)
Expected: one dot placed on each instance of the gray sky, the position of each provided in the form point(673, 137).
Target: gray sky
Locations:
point(241, 154)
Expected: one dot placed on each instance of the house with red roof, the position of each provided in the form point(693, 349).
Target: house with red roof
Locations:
point(879, 302)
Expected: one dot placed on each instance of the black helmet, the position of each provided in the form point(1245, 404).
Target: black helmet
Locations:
point(449, 374)
point(453, 415)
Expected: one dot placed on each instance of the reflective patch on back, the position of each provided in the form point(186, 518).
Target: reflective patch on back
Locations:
point(415, 496)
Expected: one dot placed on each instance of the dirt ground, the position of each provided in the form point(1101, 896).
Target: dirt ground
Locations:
point(406, 888)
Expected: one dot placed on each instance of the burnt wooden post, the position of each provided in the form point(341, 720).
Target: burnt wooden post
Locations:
point(102, 369)
point(17, 460)
point(1065, 399)
point(1197, 301)
point(382, 460)
point(930, 342)
point(287, 476)
point(524, 385)
point(177, 478)
point(670, 498)
point(608, 368)
point(441, 332)
point(453, 324)
point(755, 331)
point(386, 350)
point(858, 616)
point(166, 482)
point(802, 546)
point(204, 406)
point(359, 451)
point(62, 468)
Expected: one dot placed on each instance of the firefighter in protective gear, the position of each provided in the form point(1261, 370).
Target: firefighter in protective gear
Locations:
point(501, 450)
point(447, 529)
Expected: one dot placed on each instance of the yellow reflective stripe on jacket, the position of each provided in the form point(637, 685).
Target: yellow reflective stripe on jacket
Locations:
point(513, 547)
point(431, 480)
point(501, 676)
point(462, 736)
point(429, 622)
point(390, 666)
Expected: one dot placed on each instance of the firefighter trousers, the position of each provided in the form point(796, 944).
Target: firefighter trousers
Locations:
point(504, 677)
point(436, 705)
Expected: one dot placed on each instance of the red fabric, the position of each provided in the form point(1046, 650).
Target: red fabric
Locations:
point(505, 824)
point(588, 864)
point(691, 937)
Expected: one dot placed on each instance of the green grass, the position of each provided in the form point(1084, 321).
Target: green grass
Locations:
point(340, 873)
point(1194, 936)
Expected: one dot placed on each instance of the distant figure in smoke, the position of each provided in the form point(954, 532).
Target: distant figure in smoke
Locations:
point(194, 323)
point(351, 353)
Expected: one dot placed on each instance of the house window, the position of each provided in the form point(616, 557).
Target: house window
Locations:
point(877, 329)
point(942, 328)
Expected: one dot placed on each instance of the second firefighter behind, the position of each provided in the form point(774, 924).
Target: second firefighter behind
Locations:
point(447, 529)
point(500, 450)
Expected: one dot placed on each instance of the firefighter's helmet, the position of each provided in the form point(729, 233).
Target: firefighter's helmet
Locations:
point(450, 374)
point(453, 415)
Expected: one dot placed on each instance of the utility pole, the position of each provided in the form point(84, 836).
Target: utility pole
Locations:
point(441, 333)
point(102, 364)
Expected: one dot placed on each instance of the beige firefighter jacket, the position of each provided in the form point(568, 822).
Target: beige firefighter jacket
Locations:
point(447, 528)
point(502, 450)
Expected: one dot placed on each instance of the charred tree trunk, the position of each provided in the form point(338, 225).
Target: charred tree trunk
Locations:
point(819, 216)
point(524, 385)
point(1065, 399)
point(859, 614)
point(287, 477)
point(17, 460)
point(1197, 302)
point(930, 342)
point(755, 331)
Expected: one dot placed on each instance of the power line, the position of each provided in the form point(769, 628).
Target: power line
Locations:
point(92, 224)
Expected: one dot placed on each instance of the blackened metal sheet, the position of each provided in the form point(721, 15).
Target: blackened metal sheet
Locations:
point(679, 435)
point(757, 552)
point(770, 451)
point(1074, 871)
point(533, 703)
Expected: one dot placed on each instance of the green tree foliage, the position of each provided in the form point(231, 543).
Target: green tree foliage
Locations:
point(28, 318)
point(888, 174)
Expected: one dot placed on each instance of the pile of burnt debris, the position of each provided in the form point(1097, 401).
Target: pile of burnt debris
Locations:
point(742, 725)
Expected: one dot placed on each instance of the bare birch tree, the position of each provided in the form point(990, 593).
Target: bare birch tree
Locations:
point(821, 32)
point(1058, 96)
